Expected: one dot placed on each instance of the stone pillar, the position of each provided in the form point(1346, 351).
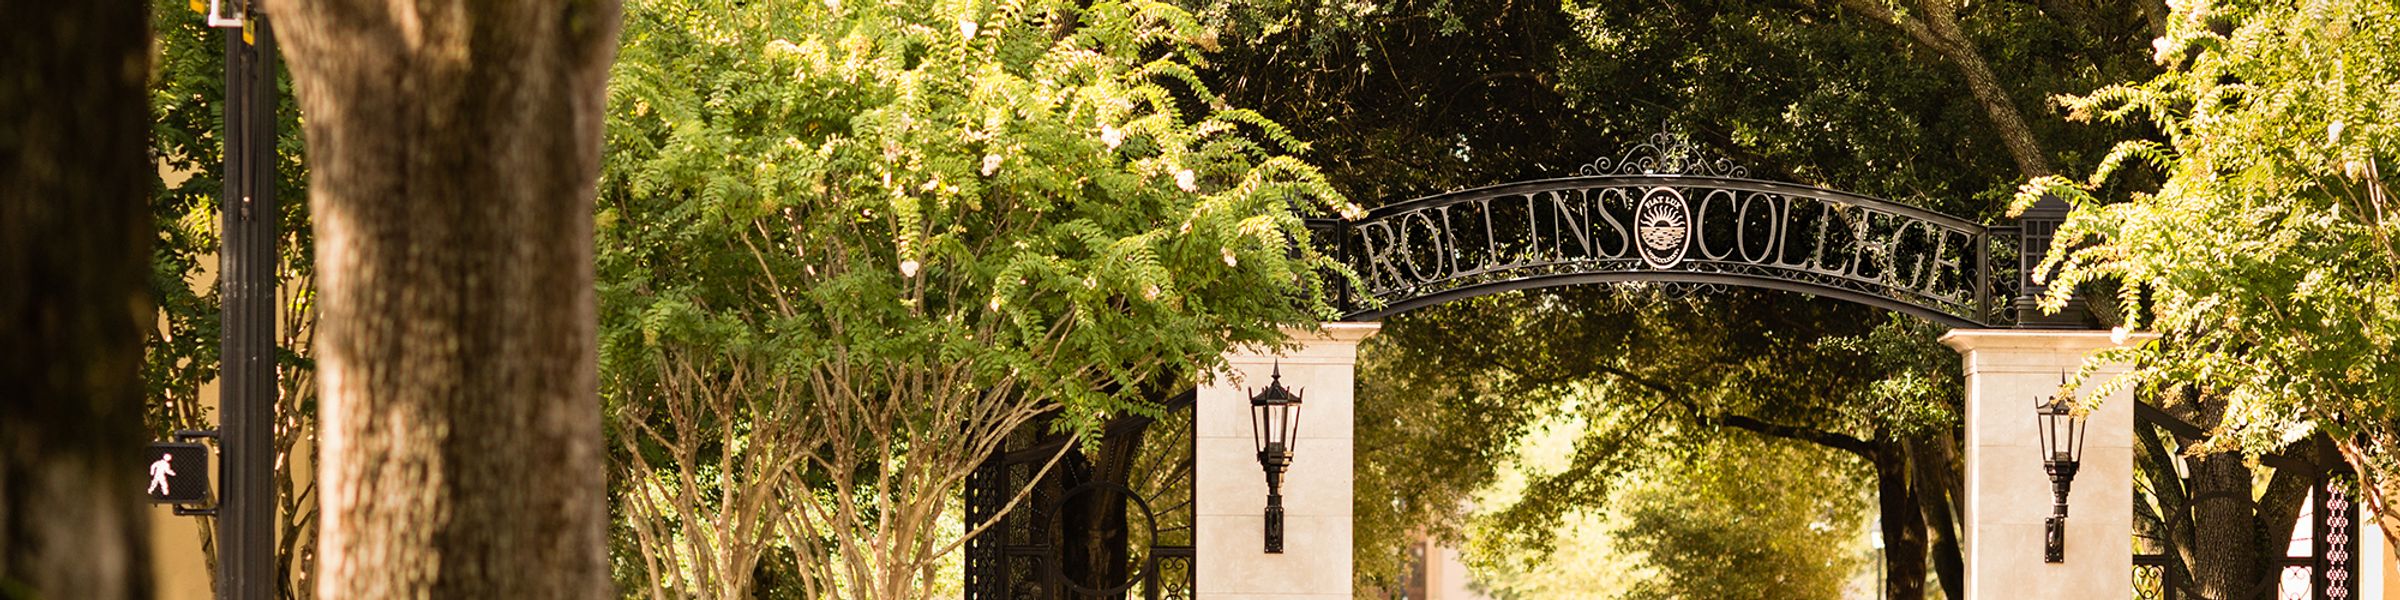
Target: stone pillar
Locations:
point(1230, 490)
point(2008, 496)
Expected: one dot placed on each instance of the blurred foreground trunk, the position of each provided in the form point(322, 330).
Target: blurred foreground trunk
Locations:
point(74, 262)
point(453, 153)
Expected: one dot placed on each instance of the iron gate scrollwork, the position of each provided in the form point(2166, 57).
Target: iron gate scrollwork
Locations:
point(1116, 525)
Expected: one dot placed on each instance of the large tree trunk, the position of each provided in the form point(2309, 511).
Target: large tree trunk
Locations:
point(2228, 533)
point(1903, 523)
point(74, 264)
point(453, 150)
point(1935, 466)
point(2225, 531)
point(1941, 17)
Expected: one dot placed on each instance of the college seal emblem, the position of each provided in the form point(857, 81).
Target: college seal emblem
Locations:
point(1663, 224)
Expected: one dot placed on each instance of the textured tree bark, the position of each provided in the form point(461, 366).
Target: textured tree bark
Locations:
point(74, 264)
point(2225, 532)
point(2280, 503)
point(454, 151)
point(2235, 536)
point(2173, 501)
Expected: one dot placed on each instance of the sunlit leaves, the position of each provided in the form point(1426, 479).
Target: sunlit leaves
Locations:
point(2267, 255)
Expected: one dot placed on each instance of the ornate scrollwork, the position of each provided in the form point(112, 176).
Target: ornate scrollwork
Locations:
point(1667, 153)
point(2334, 545)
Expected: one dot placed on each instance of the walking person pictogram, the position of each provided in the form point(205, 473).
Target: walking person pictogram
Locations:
point(160, 470)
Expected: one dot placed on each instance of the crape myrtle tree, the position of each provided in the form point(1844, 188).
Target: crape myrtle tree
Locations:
point(74, 242)
point(2267, 254)
point(848, 247)
point(454, 151)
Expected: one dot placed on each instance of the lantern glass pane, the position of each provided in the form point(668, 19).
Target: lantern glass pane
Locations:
point(2076, 426)
point(1291, 427)
point(2045, 427)
point(1258, 427)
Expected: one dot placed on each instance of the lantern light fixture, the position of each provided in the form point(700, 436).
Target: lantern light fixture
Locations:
point(1274, 429)
point(2061, 431)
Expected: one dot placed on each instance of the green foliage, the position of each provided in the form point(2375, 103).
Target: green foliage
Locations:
point(933, 218)
point(1421, 96)
point(187, 88)
point(1415, 97)
point(2267, 254)
point(1738, 516)
point(927, 171)
point(1438, 442)
point(1747, 518)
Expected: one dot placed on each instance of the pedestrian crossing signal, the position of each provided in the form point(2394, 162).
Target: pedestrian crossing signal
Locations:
point(176, 473)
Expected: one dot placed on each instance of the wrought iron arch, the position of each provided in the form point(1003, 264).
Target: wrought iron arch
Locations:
point(1663, 214)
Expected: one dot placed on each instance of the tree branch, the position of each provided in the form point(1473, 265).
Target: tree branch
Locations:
point(1829, 439)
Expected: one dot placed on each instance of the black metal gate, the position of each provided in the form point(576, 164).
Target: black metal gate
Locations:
point(1117, 525)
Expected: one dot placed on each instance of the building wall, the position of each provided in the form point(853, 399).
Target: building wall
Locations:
point(1446, 576)
point(177, 567)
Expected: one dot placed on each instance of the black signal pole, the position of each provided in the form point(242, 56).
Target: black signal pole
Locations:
point(248, 283)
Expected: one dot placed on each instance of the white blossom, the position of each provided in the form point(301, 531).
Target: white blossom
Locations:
point(1352, 211)
point(782, 48)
